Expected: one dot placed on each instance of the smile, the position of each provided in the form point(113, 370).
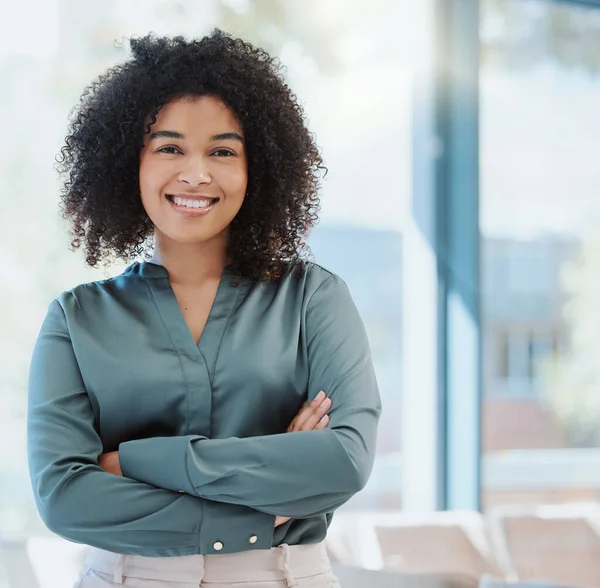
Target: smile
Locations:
point(192, 206)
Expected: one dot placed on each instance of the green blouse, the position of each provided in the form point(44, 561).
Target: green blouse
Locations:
point(200, 429)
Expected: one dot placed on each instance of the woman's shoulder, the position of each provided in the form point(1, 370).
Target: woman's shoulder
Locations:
point(99, 291)
point(314, 277)
point(318, 274)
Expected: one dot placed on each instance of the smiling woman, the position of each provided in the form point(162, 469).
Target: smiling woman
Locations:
point(200, 417)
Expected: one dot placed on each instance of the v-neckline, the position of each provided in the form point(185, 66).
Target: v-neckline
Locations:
point(174, 319)
point(211, 310)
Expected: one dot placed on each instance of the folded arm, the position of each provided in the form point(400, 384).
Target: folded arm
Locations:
point(82, 503)
point(301, 474)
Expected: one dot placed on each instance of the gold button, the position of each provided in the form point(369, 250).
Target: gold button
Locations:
point(217, 546)
point(253, 539)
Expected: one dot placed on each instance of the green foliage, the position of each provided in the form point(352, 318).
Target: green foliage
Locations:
point(571, 380)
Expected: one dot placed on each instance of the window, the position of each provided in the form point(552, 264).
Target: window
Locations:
point(540, 186)
point(519, 359)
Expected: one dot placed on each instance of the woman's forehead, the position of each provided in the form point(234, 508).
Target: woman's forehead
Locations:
point(202, 115)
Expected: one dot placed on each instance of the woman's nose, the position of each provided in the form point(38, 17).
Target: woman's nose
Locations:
point(195, 173)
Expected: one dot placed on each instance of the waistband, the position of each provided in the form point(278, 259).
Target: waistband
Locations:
point(285, 562)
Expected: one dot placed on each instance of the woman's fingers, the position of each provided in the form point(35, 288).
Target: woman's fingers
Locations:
point(305, 412)
point(281, 520)
point(293, 423)
point(322, 423)
point(312, 416)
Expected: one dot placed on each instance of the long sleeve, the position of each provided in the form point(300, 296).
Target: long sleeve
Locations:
point(81, 502)
point(299, 474)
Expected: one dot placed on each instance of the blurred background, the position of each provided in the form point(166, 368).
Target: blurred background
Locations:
point(462, 208)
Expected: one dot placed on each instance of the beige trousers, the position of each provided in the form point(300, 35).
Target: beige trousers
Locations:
point(304, 566)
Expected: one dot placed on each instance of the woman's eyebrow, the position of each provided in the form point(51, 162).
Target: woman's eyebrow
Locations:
point(176, 135)
point(227, 136)
point(166, 135)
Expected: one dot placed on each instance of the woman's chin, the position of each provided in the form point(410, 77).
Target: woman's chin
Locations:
point(188, 236)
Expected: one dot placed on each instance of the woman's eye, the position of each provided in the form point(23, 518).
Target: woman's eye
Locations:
point(169, 150)
point(223, 153)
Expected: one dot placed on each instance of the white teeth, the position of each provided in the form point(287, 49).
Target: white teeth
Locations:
point(192, 203)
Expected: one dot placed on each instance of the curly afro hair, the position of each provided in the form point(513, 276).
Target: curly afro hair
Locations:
point(100, 159)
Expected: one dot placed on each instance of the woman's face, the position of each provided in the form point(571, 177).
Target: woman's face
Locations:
point(193, 155)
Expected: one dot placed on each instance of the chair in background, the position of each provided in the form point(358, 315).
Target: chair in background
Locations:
point(55, 561)
point(351, 541)
point(554, 543)
point(353, 577)
point(445, 542)
point(15, 567)
point(487, 582)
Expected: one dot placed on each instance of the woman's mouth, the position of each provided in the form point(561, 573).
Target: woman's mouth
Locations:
point(192, 206)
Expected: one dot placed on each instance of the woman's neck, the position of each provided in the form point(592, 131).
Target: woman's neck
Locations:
point(190, 264)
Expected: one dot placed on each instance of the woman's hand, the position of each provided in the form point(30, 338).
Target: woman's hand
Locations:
point(109, 462)
point(312, 416)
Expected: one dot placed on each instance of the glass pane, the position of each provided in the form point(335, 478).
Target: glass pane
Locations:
point(540, 204)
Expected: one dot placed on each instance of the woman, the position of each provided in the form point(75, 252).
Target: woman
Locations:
point(198, 418)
